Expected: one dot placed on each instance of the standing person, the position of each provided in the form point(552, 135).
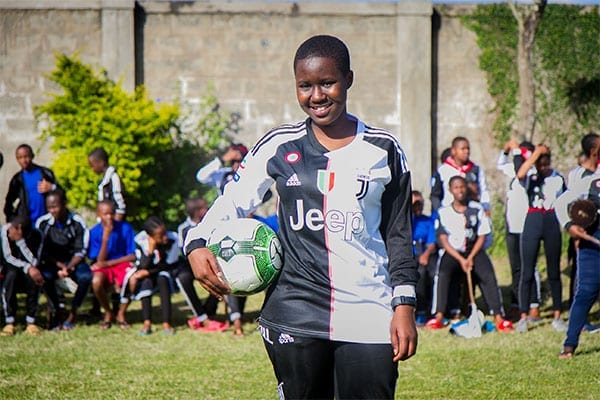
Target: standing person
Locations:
point(112, 251)
point(542, 187)
point(459, 163)
point(425, 249)
point(587, 287)
point(220, 170)
point(21, 245)
point(462, 227)
point(203, 313)
point(345, 227)
point(515, 212)
point(111, 186)
point(28, 188)
point(587, 165)
point(65, 242)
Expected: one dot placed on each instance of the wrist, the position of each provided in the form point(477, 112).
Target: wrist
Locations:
point(403, 301)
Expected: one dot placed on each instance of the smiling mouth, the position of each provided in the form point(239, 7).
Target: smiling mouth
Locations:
point(320, 109)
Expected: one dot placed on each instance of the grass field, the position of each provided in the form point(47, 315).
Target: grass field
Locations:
point(88, 363)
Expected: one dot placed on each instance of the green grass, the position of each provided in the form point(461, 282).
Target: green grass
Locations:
point(88, 363)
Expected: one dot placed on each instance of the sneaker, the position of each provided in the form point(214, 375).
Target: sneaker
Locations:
point(522, 325)
point(559, 325)
point(9, 330)
point(213, 326)
point(590, 328)
point(33, 330)
point(434, 324)
point(505, 326)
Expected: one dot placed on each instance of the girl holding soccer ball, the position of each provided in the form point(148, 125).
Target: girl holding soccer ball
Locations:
point(344, 213)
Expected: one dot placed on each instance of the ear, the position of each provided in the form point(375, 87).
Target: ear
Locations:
point(349, 79)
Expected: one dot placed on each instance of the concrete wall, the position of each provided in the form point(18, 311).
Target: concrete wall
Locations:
point(245, 50)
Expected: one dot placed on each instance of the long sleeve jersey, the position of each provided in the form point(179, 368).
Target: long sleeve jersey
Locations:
point(345, 229)
point(24, 253)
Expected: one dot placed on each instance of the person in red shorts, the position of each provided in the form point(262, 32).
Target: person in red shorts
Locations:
point(112, 251)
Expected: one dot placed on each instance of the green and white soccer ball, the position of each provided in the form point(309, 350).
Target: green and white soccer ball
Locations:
point(249, 254)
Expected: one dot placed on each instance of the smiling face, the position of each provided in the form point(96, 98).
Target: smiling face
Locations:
point(458, 188)
point(321, 89)
point(56, 206)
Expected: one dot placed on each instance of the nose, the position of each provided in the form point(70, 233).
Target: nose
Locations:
point(316, 93)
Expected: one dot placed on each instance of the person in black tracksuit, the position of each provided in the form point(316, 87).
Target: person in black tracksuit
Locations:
point(543, 187)
point(21, 246)
point(157, 255)
point(111, 186)
point(28, 188)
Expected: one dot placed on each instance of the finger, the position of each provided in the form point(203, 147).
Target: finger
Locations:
point(401, 350)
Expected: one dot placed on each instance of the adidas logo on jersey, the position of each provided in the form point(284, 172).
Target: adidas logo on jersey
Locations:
point(293, 181)
point(285, 338)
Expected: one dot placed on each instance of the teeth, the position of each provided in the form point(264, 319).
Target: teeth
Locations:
point(319, 108)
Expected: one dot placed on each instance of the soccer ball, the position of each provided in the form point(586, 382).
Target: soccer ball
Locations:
point(249, 254)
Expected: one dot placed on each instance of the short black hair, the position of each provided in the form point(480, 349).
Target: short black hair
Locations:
point(588, 142)
point(24, 221)
point(62, 196)
point(152, 223)
point(26, 146)
point(99, 154)
point(459, 139)
point(527, 145)
point(457, 178)
point(324, 46)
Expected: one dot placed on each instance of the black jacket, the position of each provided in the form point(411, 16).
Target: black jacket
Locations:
point(17, 201)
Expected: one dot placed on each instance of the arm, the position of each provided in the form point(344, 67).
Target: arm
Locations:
point(530, 162)
point(212, 173)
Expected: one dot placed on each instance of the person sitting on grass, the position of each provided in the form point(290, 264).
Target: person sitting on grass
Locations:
point(461, 229)
point(65, 242)
point(112, 250)
point(20, 254)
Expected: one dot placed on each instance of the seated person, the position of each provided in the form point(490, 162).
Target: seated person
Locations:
point(20, 247)
point(65, 241)
point(425, 250)
point(112, 251)
point(461, 227)
point(157, 254)
point(195, 208)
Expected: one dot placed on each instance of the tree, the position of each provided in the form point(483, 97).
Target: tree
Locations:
point(528, 21)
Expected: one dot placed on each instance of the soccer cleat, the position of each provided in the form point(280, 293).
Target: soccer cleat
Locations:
point(212, 326)
point(505, 326)
point(8, 330)
point(559, 325)
point(522, 325)
point(434, 324)
point(33, 330)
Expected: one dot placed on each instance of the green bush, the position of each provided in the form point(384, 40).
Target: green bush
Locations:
point(156, 159)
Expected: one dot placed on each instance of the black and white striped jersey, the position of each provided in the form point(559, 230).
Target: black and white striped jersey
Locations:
point(345, 229)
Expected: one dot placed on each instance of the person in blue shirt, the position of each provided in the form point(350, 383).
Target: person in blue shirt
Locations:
point(28, 188)
point(425, 251)
point(112, 251)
